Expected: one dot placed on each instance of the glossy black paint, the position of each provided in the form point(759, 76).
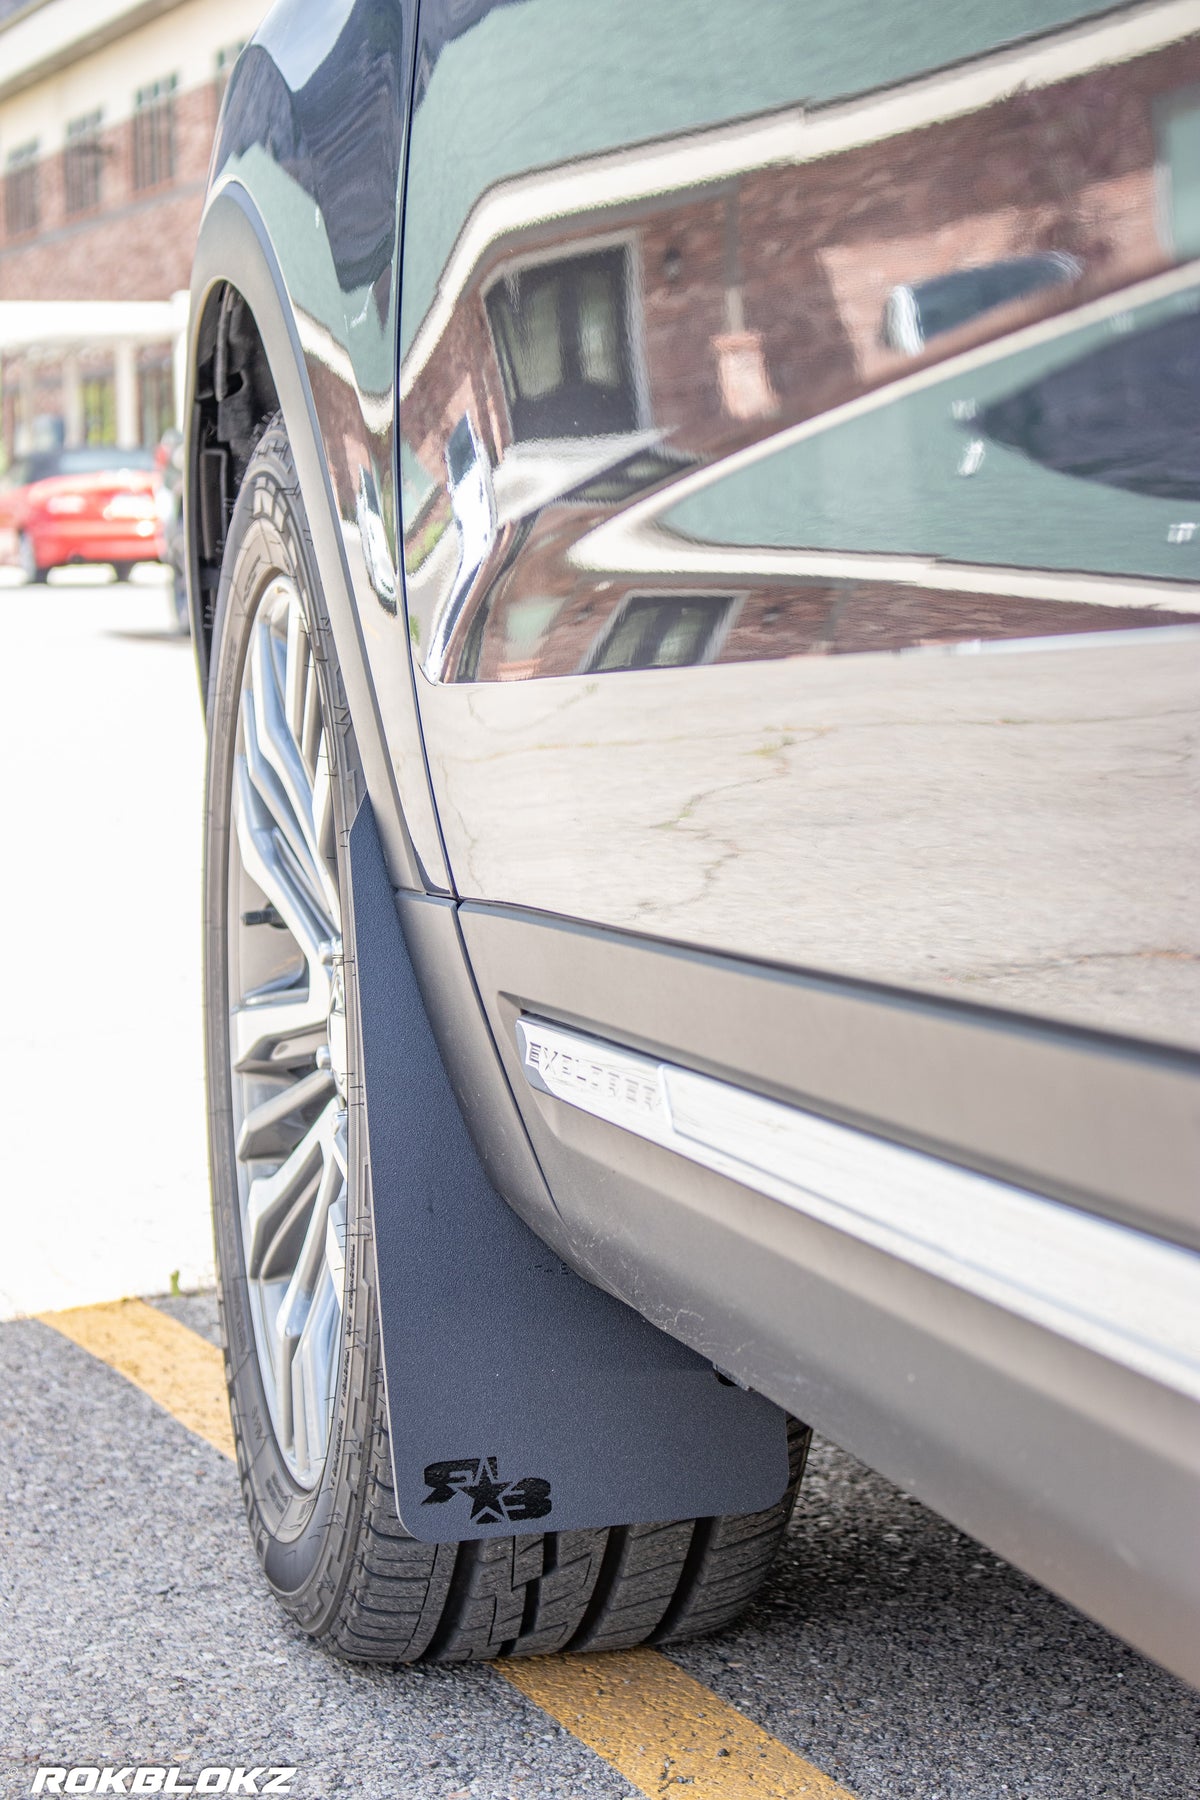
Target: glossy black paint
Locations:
point(782, 558)
point(824, 526)
point(313, 87)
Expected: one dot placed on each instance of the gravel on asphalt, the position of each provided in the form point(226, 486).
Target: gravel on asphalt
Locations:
point(891, 1651)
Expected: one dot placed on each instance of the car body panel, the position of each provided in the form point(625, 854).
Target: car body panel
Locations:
point(1073, 1465)
point(303, 97)
point(917, 624)
point(1076, 1468)
point(769, 621)
point(822, 710)
point(234, 236)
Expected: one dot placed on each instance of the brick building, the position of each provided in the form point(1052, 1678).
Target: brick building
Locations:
point(768, 296)
point(107, 112)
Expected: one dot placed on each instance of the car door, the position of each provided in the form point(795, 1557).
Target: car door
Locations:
point(813, 747)
point(863, 655)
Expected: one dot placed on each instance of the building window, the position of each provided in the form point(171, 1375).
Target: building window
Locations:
point(154, 133)
point(98, 393)
point(1177, 123)
point(156, 394)
point(562, 339)
point(21, 207)
point(81, 164)
point(227, 55)
point(663, 631)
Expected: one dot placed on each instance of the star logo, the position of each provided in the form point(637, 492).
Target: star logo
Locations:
point(487, 1495)
point(493, 1502)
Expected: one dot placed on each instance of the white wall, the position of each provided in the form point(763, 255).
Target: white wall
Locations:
point(182, 41)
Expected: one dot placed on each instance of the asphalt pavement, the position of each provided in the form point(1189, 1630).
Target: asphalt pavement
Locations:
point(891, 1652)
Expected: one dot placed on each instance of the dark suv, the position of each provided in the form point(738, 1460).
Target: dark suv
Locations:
point(703, 853)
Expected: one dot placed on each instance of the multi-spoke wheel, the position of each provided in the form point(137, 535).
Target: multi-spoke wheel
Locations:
point(287, 1028)
point(31, 569)
point(291, 1194)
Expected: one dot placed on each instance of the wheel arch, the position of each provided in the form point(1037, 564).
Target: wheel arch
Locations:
point(245, 363)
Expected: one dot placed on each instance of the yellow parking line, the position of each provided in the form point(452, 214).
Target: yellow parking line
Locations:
point(658, 1727)
point(179, 1370)
point(664, 1731)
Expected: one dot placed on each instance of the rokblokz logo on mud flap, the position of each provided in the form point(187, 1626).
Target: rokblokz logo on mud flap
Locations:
point(162, 1778)
point(492, 1501)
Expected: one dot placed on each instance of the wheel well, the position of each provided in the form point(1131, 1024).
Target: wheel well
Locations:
point(234, 397)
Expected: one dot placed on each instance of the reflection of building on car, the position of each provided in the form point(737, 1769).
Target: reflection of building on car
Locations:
point(662, 631)
point(91, 505)
point(473, 508)
point(469, 479)
point(772, 853)
point(561, 335)
point(915, 314)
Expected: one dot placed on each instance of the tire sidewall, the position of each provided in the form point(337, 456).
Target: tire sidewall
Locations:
point(304, 1538)
point(31, 569)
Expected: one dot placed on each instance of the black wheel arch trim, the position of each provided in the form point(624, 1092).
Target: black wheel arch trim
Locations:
point(234, 237)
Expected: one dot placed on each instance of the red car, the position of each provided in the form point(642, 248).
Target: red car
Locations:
point(92, 505)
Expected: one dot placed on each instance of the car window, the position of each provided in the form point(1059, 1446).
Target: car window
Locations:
point(460, 451)
point(94, 459)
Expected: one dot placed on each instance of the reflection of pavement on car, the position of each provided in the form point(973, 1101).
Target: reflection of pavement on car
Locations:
point(920, 819)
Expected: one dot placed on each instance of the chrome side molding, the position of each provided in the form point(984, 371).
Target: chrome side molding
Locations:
point(1113, 1290)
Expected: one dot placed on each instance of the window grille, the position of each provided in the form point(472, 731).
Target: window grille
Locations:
point(22, 210)
point(154, 133)
point(156, 395)
point(562, 338)
point(227, 55)
point(82, 162)
point(99, 397)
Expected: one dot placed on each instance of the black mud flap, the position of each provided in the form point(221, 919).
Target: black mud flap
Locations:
point(521, 1398)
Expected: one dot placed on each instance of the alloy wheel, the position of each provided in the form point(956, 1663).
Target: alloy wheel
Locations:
point(27, 557)
point(287, 1029)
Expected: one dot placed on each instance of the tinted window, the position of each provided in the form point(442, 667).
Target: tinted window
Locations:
point(460, 451)
point(950, 300)
point(92, 459)
point(667, 633)
point(560, 335)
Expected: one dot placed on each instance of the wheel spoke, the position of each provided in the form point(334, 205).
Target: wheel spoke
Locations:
point(287, 1028)
point(263, 1124)
point(279, 1032)
point(335, 1245)
point(308, 1328)
point(281, 750)
point(311, 1262)
point(313, 1376)
point(296, 679)
point(266, 859)
point(312, 732)
point(322, 804)
point(292, 832)
point(276, 1203)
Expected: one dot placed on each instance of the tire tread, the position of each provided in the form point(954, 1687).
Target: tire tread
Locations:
point(376, 1594)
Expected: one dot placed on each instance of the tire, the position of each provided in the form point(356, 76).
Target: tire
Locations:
point(27, 556)
point(323, 1521)
point(179, 615)
point(122, 570)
